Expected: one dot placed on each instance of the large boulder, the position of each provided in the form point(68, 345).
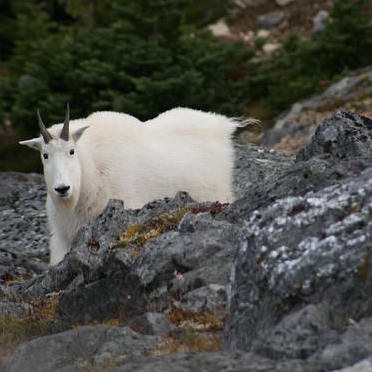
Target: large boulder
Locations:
point(301, 282)
point(85, 348)
point(340, 149)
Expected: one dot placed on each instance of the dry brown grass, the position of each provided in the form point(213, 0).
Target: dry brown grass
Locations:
point(32, 324)
point(201, 321)
point(108, 322)
point(187, 342)
point(196, 333)
point(140, 233)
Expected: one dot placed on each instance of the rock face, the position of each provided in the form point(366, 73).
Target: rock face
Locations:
point(23, 226)
point(288, 264)
point(270, 20)
point(220, 29)
point(293, 128)
point(83, 348)
point(301, 282)
point(284, 2)
point(319, 22)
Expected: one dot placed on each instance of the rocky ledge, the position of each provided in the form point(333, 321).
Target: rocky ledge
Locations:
point(280, 280)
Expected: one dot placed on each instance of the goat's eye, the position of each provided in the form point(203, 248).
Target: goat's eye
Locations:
point(72, 152)
point(45, 155)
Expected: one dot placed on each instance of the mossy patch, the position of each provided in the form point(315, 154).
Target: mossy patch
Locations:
point(138, 234)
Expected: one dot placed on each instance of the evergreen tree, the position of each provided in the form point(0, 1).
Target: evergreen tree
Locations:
point(146, 61)
point(345, 44)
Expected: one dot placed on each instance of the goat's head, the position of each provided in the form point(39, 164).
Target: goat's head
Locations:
point(59, 155)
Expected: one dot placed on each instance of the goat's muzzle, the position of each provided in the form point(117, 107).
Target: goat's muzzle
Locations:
point(62, 191)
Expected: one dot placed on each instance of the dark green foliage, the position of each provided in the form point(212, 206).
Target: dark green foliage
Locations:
point(145, 56)
point(16, 158)
point(305, 66)
point(147, 60)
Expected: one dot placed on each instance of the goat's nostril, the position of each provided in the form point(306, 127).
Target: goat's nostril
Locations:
point(62, 189)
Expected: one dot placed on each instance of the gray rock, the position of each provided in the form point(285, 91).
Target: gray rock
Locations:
point(23, 226)
point(81, 349)
point(354, 345)
point(211, 298)
point(356, 85)
point(56, 278)
point(110, 287)
point(364, 366)
point(117, 294)
point(345, 135)
point(24, 81)
point(22, 213)
point(220, 29)
point(287, 128)
point(250, 3)
point(298, 335)
point(210, 362)
point(340, 149)
point(319, 22)
point(255, 165)
point(13, 309)
point(111, 284)
point(300, 250)
point(270, 20)
point(284, 2)
point(151, 324)
point(205, 253)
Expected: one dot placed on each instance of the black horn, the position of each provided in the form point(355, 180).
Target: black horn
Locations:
point(64, 134)
point(44, 132)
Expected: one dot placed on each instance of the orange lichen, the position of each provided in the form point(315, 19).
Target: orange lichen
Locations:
point(365, 266)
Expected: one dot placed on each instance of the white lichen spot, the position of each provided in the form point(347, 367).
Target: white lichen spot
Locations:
point(315, 201)
point(274, 254)
point(356, 241)
point(244, 246)
point(326, 270)
point(263, 249)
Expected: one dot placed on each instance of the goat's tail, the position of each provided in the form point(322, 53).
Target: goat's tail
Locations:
point(241, 122)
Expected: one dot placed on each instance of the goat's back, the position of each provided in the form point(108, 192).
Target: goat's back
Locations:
point(180, 150)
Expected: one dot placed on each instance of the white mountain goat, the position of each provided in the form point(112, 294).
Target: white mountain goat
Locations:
point(112, 155)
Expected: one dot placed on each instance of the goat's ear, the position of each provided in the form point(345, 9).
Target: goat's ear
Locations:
point(77, 134)
point(34, 143)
